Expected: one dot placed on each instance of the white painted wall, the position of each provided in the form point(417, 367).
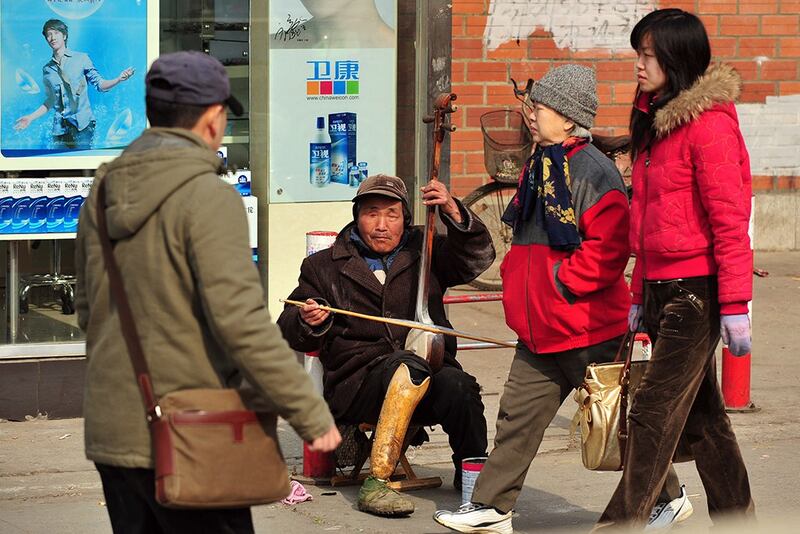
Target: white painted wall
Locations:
point(771, 130)
point(777, 221)
point(288, 224)
point(575, 24)
point(772, 134)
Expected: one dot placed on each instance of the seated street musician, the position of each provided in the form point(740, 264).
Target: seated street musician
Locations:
point(369, 377)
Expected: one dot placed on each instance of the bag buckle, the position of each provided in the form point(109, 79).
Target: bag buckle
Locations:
point(154, 414)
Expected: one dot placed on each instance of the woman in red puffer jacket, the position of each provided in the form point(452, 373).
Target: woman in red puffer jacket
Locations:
point(693, 275)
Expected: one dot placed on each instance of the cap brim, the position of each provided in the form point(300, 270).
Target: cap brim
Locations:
point(235, 106)
point(380, 193)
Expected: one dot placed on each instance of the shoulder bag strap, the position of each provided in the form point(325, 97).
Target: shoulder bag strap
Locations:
point(624, 382)
point(627, 343)
point(127, 322)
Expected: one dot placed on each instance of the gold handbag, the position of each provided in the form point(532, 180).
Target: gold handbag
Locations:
point(603, 408)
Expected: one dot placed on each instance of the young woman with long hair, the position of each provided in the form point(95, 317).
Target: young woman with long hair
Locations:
point(693, 276)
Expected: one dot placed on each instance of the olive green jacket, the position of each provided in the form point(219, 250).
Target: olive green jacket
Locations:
point(181, 241)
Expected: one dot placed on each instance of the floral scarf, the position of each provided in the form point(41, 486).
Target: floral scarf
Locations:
point(544, 191)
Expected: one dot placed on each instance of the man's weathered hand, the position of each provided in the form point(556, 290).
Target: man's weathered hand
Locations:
point(327, 441)
point(436, 194)
point(312, 315)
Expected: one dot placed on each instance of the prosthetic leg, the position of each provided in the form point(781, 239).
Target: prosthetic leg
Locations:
point(401, 400)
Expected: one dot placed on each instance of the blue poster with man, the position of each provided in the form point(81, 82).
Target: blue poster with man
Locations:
point(71, 81)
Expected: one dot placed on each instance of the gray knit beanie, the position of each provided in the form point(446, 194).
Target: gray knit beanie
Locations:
point(571, 90)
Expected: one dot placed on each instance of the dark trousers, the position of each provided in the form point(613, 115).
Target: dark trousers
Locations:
point(537, 385)
point(132, 508)
point(74, 138)
point(453, 400)
point(679, 400)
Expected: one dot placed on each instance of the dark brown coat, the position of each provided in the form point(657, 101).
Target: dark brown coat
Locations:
point(350, 346)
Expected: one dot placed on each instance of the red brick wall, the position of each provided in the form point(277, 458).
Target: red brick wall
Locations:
point(760, 38)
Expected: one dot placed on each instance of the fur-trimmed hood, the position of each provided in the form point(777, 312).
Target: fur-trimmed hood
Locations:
point(720, 84)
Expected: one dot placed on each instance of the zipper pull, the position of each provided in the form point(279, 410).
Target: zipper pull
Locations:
point(647, 162)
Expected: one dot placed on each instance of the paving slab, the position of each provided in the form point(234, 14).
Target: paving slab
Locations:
point(47, 486)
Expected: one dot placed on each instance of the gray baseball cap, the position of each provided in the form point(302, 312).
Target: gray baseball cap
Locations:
point(191, 77)
point(385, 186)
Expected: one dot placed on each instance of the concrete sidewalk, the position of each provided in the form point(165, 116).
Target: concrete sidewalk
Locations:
point(47, 486)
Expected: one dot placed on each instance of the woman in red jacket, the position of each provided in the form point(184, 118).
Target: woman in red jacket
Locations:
point(693, 275)
point(564, 293)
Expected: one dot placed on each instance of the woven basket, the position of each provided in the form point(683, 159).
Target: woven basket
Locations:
point(507, 144)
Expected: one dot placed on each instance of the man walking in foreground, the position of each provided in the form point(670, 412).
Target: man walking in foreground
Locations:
point(181, 241)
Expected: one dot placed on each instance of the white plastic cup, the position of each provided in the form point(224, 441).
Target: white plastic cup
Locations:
point(470, 469)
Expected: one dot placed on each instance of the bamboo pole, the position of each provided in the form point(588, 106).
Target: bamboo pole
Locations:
point(409, 324)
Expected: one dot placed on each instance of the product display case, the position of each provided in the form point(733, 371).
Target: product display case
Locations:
point(371, 81)
point(38, 252)
point(220, 28)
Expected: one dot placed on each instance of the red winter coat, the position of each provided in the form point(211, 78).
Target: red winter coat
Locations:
point(691, 203)
point(556, 300)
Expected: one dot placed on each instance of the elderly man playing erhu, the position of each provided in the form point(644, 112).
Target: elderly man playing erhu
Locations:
point(373, 268)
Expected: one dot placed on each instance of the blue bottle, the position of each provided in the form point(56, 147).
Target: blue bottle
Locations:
point(362, 168)
point(320, 155)
point(354, 176)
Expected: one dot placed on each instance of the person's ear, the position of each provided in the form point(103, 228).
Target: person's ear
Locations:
point(218, 113)
point(209, 124)
point(568, 125)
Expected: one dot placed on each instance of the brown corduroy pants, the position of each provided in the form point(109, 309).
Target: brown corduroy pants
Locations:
point(536, 387)
point(679, 400)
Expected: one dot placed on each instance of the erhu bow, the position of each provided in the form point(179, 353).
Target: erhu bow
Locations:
point(427, 344)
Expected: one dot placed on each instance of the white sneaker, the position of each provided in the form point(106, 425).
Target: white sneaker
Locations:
point(475, 518)
point(666, 514)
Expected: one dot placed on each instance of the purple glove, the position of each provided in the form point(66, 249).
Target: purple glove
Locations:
point(735, 330)
point(635, 317)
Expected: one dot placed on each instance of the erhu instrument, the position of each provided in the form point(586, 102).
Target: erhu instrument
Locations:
point(423, 343)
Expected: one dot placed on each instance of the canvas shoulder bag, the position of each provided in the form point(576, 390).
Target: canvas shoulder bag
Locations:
point(210, 450)
point(603, 408)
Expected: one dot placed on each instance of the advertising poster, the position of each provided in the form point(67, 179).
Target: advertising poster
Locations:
point(332, 76)
point(72, 79)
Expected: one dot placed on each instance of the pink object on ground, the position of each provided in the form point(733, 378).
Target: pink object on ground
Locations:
point(298, 494)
